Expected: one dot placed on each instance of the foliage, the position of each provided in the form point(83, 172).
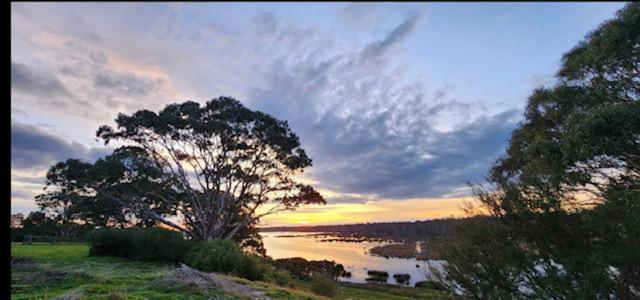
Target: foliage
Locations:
point(215, 256)
point(40, 224)
point(250, 240)
point(225, 256)
point(283, 278)
point(17, 234)
point(251, 267)
point(324, 285)
point(16, 220)
point(91, 192)
point(564, 213)
point(303, 269)
point(144, 244)
point(213, 165)
point(430, 284)
point(37, 223)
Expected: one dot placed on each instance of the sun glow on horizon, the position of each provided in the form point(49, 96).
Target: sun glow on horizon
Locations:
point(370, 211)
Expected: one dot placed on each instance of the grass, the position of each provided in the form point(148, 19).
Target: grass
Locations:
point(66, 271)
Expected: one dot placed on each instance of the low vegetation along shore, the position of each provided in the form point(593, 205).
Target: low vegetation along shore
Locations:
point(422, 250)
point(67, 271)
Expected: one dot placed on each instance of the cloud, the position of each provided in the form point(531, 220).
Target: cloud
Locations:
point(375, 49)
point(372, 134)
point(33, 147)
point(77, 71)
point(22, 193)
point(31, 180)
point(125, 84)
point(36, 83)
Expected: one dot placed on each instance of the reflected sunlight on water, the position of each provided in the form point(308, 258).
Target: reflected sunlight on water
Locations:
point(353, 256)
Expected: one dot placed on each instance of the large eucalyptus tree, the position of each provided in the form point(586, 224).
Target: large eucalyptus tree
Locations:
point(210, 171)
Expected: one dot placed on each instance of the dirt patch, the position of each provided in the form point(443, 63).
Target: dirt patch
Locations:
point(48, 277)
point(186, 276)
point(21, 280)
point(23, 262)
point(71, 295)
point(27, 273)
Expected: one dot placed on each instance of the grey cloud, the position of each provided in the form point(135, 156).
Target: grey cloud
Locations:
point(347, 199)
point(33, 147)
point(388, 167)
point(24, 209)
point(38, 83)
point(17, 111)
point(400, 32)
point(371, 135)
point(27, 179)
point(88, 66)
point(265, 23)
point(355, 12)
point(125, 84)
point(23, 193)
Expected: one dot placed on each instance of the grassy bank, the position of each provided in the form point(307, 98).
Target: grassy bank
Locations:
point(45, 271)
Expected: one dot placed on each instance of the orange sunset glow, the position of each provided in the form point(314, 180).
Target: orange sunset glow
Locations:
point(374, 211)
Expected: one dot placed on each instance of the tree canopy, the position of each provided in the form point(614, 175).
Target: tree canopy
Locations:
point(565, 209)
point(204, 170)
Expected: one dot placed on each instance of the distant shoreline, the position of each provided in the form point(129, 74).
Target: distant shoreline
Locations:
point(406, 239)
point(433, 225)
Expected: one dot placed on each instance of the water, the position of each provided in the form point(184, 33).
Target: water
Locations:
point(354, 257)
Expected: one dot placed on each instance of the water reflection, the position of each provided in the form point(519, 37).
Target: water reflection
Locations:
point(353, 256)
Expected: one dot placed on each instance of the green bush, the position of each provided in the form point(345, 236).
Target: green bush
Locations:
point(302, 269)
point(282, 278)
point(155, 244)
point(226, 257)
point(323, 285)
point(114, 242)
point(434, 285)
point(251, 267)
point(215, 256)
point(17, 235)
point(145, 244)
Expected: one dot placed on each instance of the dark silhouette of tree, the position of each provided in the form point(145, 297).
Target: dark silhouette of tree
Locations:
point(16, 220)
point(566, 209)
point(38, 223)
point(210, 167)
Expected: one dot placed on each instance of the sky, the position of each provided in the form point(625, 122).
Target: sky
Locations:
point(398, 104)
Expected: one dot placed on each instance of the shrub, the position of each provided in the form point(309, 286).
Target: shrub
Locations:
point(322, 284)
point(251, 267)
point(215, 256)
point(302, 269)
point(145, 244)
point(155, 244)
point(434, 285)
point(402, 278)
point(114, 242)
point(226, 257)
point(282, 278)
point(17, 235)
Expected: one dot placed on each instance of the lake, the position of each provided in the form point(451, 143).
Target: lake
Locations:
point(354, 257)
